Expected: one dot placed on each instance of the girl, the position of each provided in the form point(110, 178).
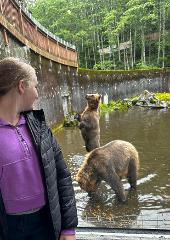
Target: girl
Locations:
point(37, 199)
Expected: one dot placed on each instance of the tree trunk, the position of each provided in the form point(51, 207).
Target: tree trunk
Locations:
point(124, 57)
point(134, 48)
point(102, 47)
point(82, 45)
point(163, 36)
point(118, 44)
point(160, 30)
point(127, 60)
point(99, 47)
point(149, 57)
point(143, 46)
point(114, 63)
point(85, 58)
point(94, 55)
point(131, 49)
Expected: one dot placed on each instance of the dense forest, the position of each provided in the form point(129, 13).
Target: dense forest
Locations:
point(110, 34)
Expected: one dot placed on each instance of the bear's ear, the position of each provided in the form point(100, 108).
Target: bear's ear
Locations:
point(99, 97)
point(88, 96)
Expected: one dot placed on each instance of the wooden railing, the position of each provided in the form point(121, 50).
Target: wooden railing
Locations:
point(26, 29)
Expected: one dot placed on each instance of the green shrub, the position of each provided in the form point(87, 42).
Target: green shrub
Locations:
point(141, 65)
point(114, 105)
point(106, 65)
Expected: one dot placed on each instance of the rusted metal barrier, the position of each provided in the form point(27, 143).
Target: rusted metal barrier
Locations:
point(27, 30)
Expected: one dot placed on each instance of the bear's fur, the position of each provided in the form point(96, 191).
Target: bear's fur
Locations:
point(89, 122)
point(110, 163)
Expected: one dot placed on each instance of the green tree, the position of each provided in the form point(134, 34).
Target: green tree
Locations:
point(107, 24)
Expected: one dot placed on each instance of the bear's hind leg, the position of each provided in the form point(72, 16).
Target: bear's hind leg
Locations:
point(115, 182)
point(132, 174)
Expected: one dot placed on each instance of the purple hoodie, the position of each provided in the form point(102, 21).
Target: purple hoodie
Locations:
point(21, 182)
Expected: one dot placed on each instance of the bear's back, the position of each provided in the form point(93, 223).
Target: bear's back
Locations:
point(118, 153)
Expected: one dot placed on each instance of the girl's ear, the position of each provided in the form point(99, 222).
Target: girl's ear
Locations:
point(21, 87)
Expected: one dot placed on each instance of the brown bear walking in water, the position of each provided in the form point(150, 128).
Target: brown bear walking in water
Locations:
point(89, 122)
point(110, 163)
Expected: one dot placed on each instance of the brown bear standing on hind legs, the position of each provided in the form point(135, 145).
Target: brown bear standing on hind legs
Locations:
point(89, 122)
point(110, 163)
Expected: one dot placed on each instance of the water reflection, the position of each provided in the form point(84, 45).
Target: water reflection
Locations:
point(106, 212)
point(148, 131)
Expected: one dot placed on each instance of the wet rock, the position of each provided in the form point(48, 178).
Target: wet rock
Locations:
point(70, 121)
point(147, 99)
